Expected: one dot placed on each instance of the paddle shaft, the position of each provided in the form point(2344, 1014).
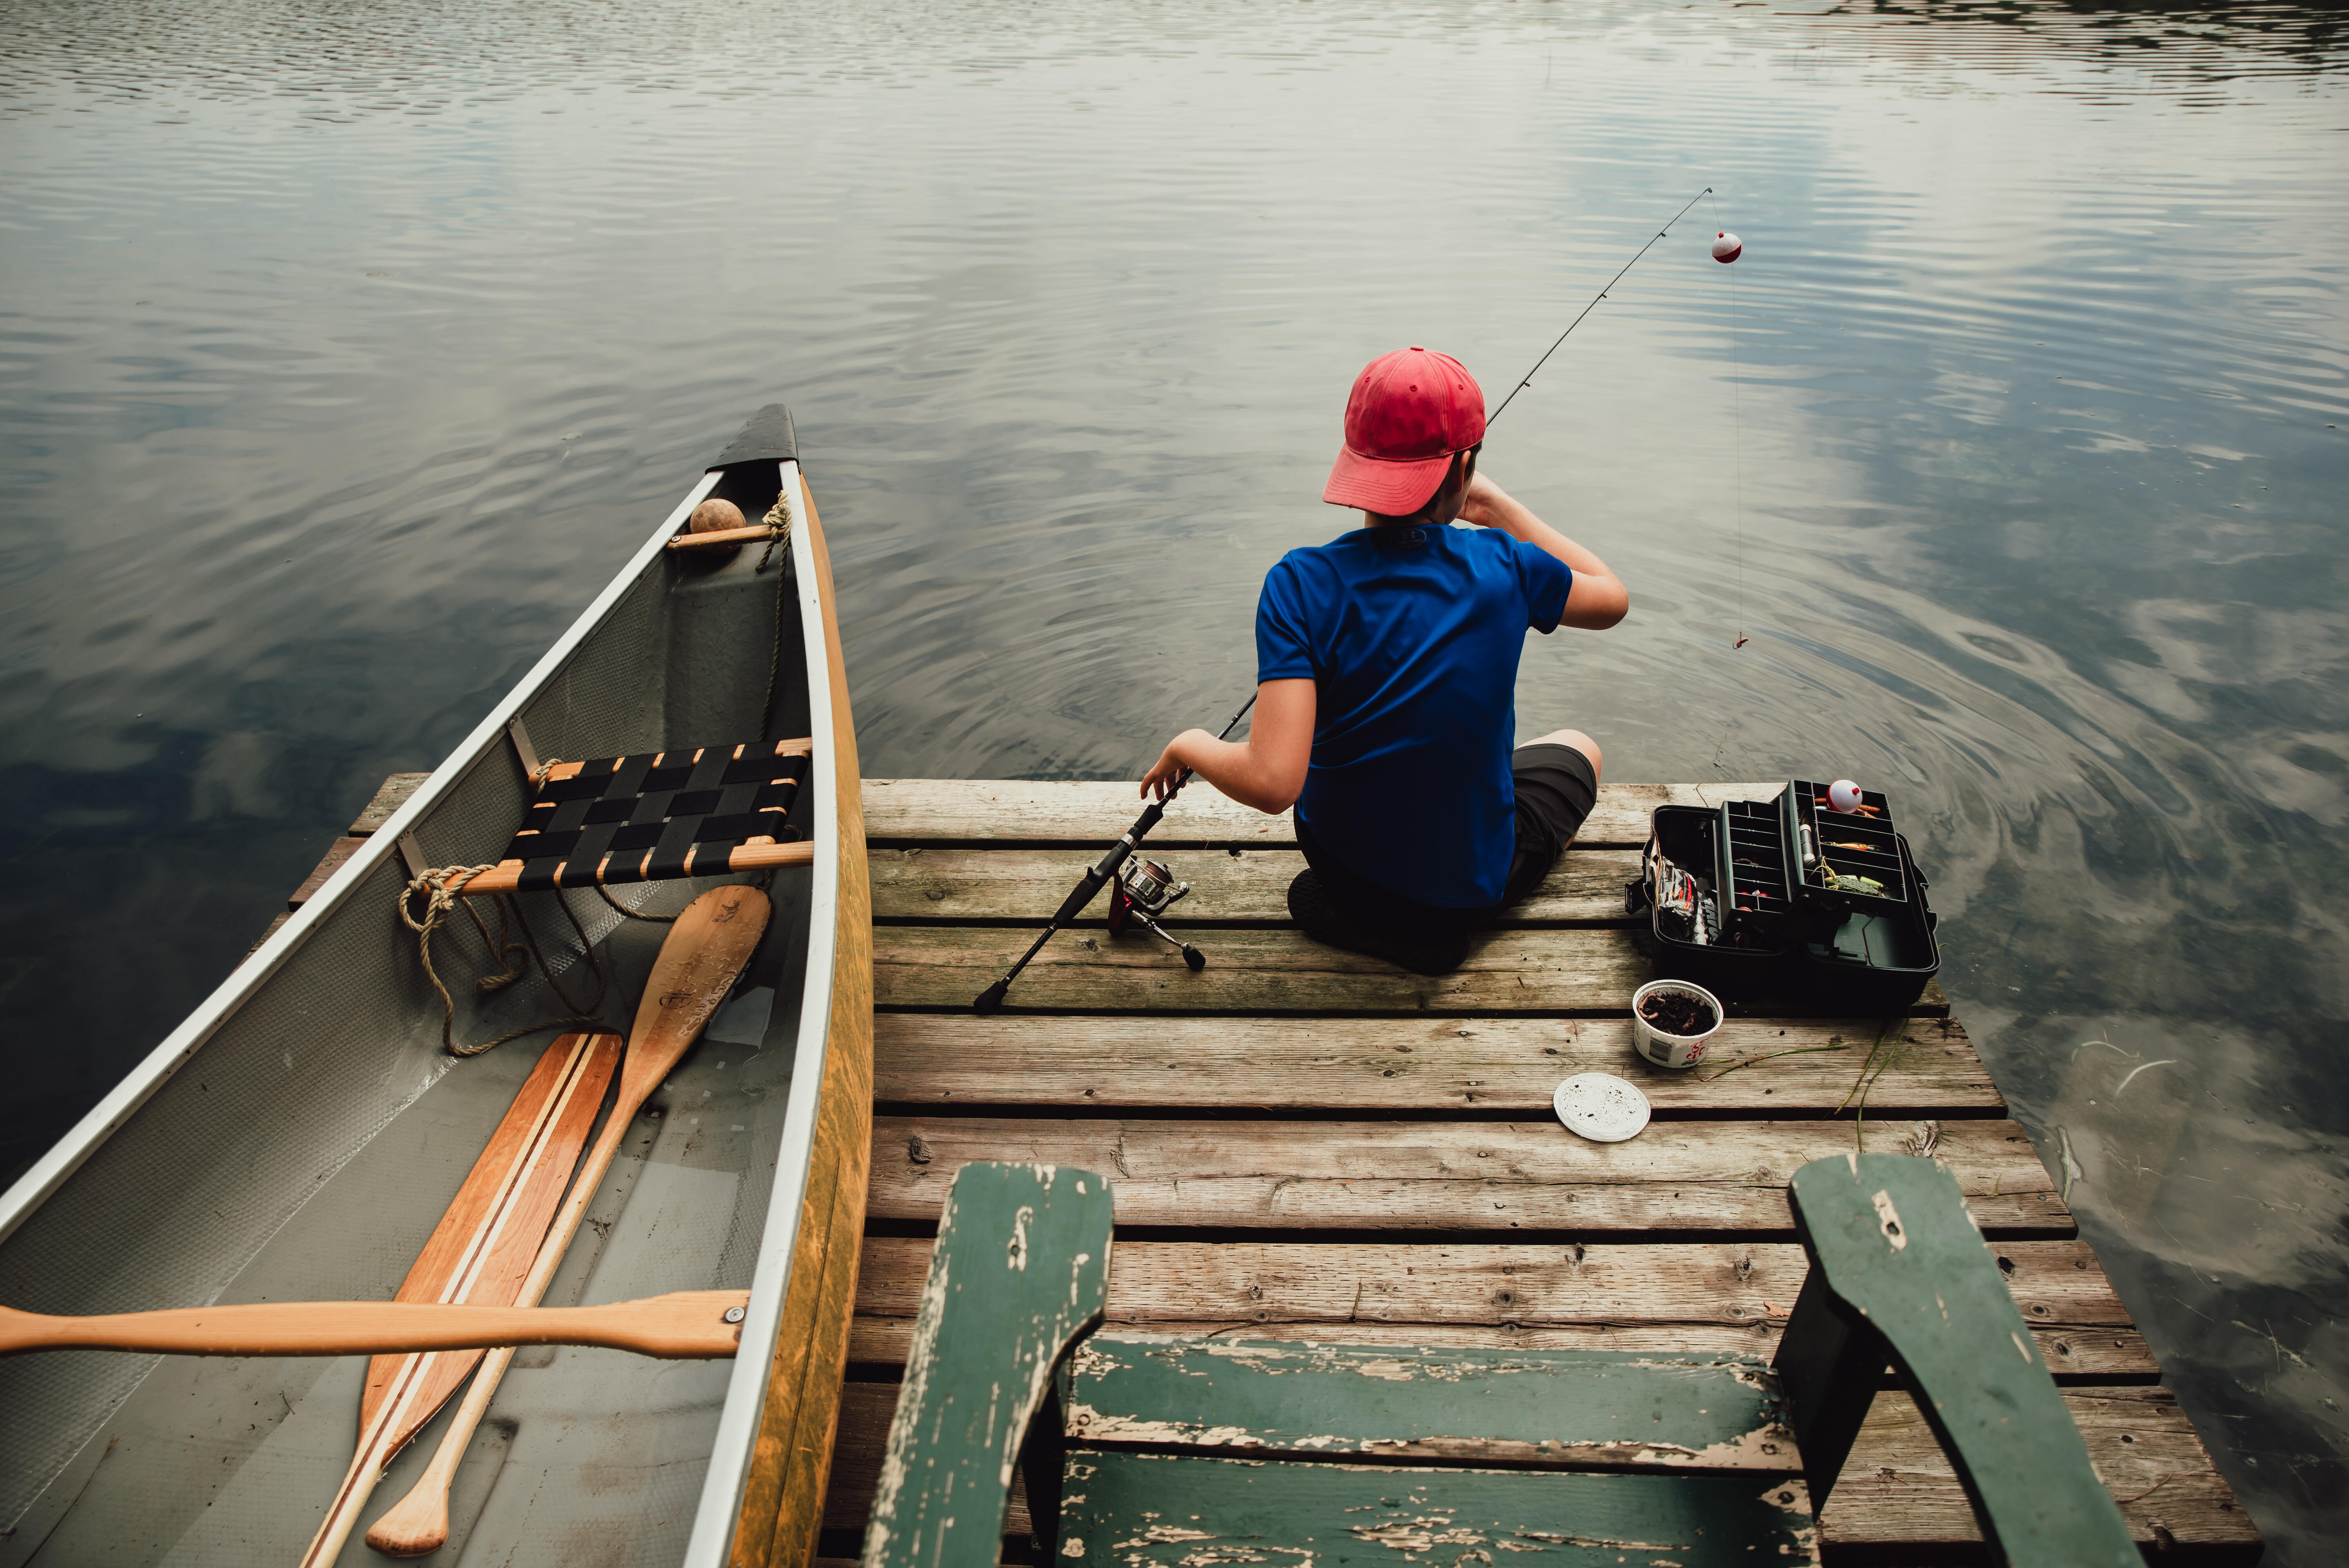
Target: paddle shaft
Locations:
point(417, 1385)
point(682, 1325)
point(706, 950)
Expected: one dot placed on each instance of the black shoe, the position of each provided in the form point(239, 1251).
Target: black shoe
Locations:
point(1311, 906)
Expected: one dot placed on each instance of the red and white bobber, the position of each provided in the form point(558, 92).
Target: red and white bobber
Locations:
point(1844, 794)
point(1727, 248)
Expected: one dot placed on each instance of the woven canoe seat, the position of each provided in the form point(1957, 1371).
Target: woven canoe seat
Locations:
point(658, 815)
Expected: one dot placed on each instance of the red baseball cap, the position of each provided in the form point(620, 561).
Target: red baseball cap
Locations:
point(1410, 411)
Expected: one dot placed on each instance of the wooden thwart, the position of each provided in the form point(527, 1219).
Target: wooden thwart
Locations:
point(506, 876)
point(1472, 1064)
point(1452, 1175)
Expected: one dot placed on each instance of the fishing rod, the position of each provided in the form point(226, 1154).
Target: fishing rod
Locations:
point(1099, 874)
point(1529, 379)
point(1151, 895)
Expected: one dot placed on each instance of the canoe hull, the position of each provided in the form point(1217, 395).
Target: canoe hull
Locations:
point(298, 1137)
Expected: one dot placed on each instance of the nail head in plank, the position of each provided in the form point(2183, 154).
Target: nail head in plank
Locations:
point(1451, 1175)
point(1406, 1064)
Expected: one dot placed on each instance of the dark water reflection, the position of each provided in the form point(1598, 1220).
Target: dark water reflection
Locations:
point(343, 353)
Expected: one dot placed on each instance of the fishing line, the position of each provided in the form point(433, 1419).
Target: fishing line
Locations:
point(1570, 325)
point(1736, 437)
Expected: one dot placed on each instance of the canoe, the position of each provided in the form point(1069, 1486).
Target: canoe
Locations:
point(299, 1136)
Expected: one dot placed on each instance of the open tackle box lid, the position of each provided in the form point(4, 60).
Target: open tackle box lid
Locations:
point(1848, 861)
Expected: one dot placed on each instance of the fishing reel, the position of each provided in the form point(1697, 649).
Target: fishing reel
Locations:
point(1143, 891)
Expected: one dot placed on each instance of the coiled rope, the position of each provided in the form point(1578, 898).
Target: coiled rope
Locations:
point(440, 888)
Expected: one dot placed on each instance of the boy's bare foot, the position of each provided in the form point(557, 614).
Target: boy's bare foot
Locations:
point(1311, 906)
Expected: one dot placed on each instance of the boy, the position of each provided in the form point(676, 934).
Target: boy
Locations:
point(1386, 672)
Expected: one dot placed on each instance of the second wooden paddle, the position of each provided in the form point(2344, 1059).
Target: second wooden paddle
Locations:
point(479, 1256)
point(699, 964)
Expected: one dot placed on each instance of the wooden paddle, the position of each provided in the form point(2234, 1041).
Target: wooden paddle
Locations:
point(699, 964)
point(683, 1325)
point(477, 1254)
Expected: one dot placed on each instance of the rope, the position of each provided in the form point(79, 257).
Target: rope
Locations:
point(441, 887)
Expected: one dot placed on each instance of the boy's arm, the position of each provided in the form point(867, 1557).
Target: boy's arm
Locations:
point(1267, 770)
point(1597, 600)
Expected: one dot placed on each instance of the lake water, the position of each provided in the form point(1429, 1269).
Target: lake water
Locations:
point(345, 349)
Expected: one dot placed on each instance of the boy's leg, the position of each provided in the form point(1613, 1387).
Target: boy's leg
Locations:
point(1556, 779)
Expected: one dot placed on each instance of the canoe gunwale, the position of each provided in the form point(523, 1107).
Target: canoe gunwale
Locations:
point(180, 1046)
point(734, 1444)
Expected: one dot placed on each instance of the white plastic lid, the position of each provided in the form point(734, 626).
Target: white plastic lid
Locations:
point(1601, 1107)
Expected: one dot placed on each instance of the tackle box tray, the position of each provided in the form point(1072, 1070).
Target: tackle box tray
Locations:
point(1756, 947)
point(1828, 852)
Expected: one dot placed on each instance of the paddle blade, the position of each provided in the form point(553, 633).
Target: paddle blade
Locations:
point(699, 964)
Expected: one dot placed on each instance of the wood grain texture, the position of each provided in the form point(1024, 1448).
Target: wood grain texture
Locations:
point(1580, 970)
point(1024, 885)
point(390, 796)
point(1451, 1175)
point(1310, 1285)
point(1476, 1064)
point(2076, 1354)
point(782, 1499)
point(1898, 1499)
point(899, 812)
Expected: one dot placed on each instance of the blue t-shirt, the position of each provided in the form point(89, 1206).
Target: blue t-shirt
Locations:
point(1411, 636)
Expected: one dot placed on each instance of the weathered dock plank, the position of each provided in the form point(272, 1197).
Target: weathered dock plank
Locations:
point(1012, 886)
point(1736, 1284)
point(1477, 1064)
point(900, 811)
point(1898, 1499)
point(1451, 1175)
point(1252, 971)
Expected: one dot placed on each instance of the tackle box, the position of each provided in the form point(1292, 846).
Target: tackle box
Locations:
point(1783, 928)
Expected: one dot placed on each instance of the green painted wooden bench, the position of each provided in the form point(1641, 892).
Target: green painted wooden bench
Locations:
point(1144, 1452)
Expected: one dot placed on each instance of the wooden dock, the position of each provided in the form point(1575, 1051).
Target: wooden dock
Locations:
point(1310, 1144)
